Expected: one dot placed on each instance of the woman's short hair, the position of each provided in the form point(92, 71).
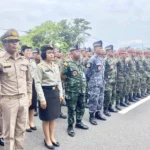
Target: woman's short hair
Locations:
point(44, 49)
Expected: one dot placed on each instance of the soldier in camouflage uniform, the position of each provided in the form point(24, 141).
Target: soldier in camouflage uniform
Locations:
point(88, 54)
point(59, 61)
point(141, 74)
point(96, 83)
point(75, 88)
point(120, 87)
point(131, 95)
point(110, 78)
point(146, 72)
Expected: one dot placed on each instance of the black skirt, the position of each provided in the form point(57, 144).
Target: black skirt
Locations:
point(52, 110)
point(34, 97)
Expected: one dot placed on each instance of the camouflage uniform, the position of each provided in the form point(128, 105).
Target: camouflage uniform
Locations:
point(75, 88)
point(96, 83)
point(146, 67)
point(142, 76)
point(120, 87)
point(59, 62)
point(110, 87)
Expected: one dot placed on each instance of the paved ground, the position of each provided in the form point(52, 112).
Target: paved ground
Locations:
point(121, 132)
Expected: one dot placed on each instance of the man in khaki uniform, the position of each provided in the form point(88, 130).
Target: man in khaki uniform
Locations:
point(1, 119)
point(16, 91)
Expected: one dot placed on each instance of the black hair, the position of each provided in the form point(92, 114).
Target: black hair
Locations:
point(43, 52)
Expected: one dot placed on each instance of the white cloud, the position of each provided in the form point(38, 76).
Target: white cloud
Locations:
point(119, 22)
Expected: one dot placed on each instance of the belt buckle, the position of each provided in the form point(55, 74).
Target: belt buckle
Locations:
point(53, 88)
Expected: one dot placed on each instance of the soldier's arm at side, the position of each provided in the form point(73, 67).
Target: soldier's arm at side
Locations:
point(38, 83)
point(88, 71)
point(60, 84)
point(29, 83)
point(64, 71)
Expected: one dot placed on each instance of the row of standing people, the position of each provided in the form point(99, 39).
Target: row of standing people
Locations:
point(104, 80)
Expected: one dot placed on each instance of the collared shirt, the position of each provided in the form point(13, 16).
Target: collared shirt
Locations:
point(47, 76)
point(15, 76)
point(32, 65)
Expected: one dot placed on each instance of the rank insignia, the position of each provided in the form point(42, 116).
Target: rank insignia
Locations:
point(14, 33)
point(88, 65)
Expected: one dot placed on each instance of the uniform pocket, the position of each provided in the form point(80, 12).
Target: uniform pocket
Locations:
point(23, 70)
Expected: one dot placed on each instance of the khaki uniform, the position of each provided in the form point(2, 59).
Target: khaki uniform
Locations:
point(1, 123)
point(16, 91)
point(1, 120)
point(46, 76)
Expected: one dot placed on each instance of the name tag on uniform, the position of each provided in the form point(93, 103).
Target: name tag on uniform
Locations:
point(7, 66)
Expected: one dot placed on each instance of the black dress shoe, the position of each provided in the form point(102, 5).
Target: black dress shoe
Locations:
point(49, 146)
point(33, 128)
point(56, 144)
point(92, 119)
point(70, 131)
point(2, 142)
point(123, 105)
point(99, 116)
point(112, 110)
point(28, 130)
point(62, 116)
point(81, 126)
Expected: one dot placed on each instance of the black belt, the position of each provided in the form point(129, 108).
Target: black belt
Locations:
point(54, 87)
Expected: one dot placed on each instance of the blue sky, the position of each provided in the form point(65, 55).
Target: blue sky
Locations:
point(118, 22)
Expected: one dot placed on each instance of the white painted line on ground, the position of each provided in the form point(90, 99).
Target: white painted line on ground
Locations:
point(124, 111)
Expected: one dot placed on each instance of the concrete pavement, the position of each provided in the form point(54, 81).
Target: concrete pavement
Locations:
point(128, 131)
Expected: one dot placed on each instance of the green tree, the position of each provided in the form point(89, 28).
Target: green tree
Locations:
point(63, 34)
point(76, 30)
point(44, 34)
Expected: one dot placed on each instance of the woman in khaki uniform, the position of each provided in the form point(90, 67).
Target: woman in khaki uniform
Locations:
point(49, 90)
point(26, 51)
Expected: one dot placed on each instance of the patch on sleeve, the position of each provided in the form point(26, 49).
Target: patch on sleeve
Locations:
point(65, 64)
point(88, 65)
point(74, 73)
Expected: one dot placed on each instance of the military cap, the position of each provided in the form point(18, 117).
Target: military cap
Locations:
point(11, 34)
point(24, 47)
point(98, 44)
point(76, 47)
point(47, 47)
point(88, 49)
point(122, 51)
point(109, 47)
point(139, 52)
point(131, 51)
point(146, 52)
point(36, 50)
